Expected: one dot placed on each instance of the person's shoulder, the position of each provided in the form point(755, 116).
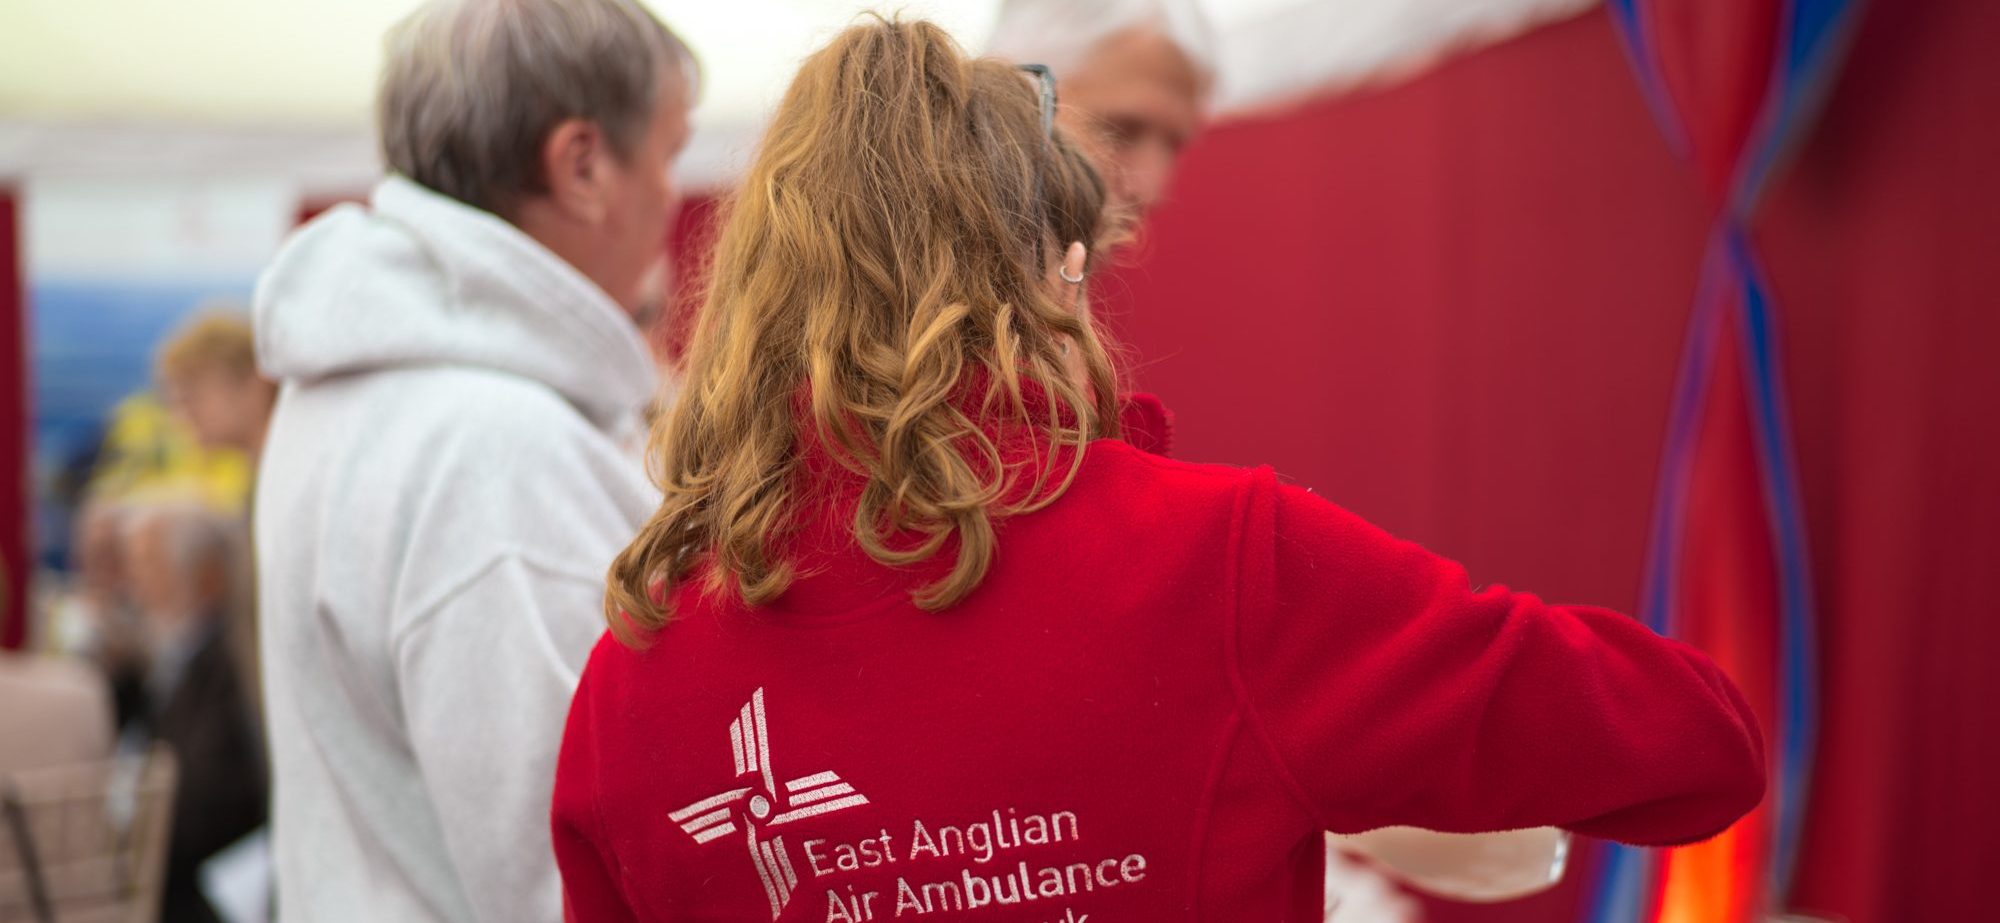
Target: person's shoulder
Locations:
point(495, 400)
point(1142, 496)
point(614, 666)
point(447, 400)
point(1124, 467)
point(512, 461)
point(509, 419)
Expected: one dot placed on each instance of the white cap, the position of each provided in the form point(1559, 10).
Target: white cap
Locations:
point(1060, 33)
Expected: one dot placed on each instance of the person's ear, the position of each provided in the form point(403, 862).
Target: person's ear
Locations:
point(1073, 261)
point(573, 160)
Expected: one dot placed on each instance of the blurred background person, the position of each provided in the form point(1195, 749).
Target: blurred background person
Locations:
point(187, 568)
point(208, 377)
point(93, 617)
point(1134, 77)
point(447, 476)
point(146, 449)
point(191, 426)
point(98, 593)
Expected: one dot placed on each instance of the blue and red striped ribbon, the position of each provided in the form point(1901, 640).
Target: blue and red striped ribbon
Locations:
point(1734, 317)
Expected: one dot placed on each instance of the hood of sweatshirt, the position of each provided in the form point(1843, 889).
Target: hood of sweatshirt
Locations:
point(417, 278)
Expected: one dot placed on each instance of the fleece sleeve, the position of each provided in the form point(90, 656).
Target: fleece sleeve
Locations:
point(485, 681)
point(1389, 691)
point(590, 882)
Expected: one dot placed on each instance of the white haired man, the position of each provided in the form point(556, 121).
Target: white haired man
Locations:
point(447, 476)
point(186, 567)
point(1134, 76)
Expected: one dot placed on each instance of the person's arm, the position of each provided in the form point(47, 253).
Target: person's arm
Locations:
point(1388, 691)
point(485, 679)
point(591, 891)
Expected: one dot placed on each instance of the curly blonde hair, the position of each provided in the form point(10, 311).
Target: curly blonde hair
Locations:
point(880, 286)
point(217, 338)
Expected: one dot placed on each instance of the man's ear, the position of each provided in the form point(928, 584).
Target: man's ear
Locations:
point(573, 160)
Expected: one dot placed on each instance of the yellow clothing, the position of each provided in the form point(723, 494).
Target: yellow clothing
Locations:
point(149, 453)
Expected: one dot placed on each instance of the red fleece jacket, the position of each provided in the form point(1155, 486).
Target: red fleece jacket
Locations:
point(1172, 680)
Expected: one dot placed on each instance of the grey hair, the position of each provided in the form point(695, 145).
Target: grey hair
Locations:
point(1062, 33)
point(196, 536)
point(471, 88)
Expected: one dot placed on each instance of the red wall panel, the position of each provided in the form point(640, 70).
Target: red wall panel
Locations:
point(1882, 243)
point(1454, 306)
point(13, 428)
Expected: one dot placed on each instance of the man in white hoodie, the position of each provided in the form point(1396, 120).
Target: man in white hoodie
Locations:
point(449, 467)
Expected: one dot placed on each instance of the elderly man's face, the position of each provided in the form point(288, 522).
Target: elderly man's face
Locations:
point(158, 582)
point(642, 206)
point(1135, 102)
point(223, 409)
point(607, 212)
point(99, 559)
point(165, 585)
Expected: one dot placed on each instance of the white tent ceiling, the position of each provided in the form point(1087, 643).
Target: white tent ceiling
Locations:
point(206, 86)
point(313, 62)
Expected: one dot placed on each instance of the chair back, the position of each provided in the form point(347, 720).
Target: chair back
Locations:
point(86, 843)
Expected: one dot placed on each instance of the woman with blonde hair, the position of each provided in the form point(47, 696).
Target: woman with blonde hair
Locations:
point(914, 633)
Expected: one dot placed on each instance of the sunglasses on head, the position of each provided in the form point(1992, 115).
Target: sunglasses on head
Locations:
point(1045, 80)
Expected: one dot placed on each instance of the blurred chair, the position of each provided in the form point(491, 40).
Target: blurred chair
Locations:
point(86, 843)
point(52, 711)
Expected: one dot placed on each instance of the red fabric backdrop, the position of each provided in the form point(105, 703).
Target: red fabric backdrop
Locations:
point(1884, 248)
point(1455, 306)
point(13, 429)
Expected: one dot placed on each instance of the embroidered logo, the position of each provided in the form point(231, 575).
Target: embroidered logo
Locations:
point(753, 808)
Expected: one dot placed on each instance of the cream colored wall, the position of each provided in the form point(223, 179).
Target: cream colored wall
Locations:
point(173, 88)
point(282, 87)
point(244, 61)
point(313, 62)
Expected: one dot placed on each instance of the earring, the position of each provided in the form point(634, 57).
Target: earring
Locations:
point(1063, 271)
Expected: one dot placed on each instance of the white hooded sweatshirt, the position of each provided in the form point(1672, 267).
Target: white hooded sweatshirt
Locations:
point(447, 476)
